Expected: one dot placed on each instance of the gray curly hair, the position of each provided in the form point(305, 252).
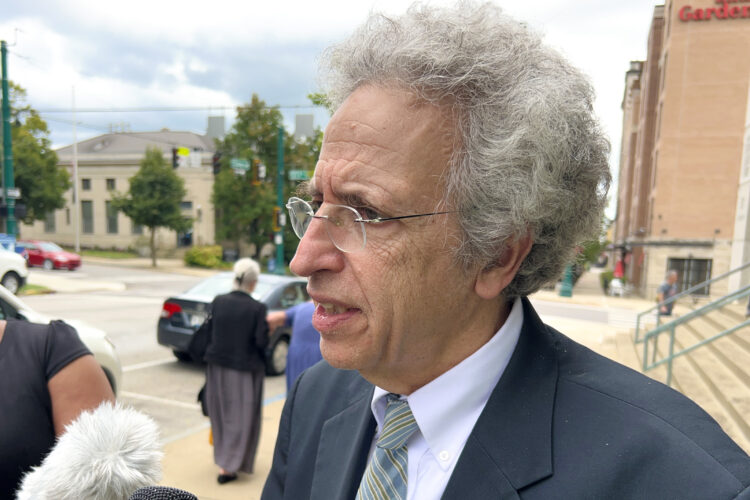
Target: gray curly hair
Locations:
point(530, 156)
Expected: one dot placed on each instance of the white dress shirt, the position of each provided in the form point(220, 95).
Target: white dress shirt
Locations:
point(447, 408)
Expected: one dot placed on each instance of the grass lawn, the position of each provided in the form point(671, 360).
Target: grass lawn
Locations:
point(107, 254)
point(29, 289)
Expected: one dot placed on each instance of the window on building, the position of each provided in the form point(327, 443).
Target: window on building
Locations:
point(186, 206)
point(110, 184)
point(658, 120)
point(669, 18)
point(49, 222)
point(136, 229)
point(185, 239)
point(111, 217)
point(87, 216)
point(663, 75)
point(67, 216)
point(691, 272)
point(86, 184)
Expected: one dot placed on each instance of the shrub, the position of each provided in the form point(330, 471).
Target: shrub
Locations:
point(208, 256)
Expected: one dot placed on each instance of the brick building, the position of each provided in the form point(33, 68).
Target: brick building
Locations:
point(684, 183)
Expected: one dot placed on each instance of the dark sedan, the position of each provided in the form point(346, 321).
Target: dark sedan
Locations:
point(182, 314)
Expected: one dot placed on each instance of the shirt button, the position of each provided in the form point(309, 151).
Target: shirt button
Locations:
point(444, 456)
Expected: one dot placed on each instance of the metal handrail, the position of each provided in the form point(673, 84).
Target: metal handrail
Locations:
point(672, 325)
point(681, 294)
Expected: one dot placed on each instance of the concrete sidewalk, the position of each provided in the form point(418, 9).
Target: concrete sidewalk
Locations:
point(188, 463)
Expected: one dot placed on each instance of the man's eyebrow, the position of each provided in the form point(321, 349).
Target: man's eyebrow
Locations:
point(307, 190)
point(352, 199)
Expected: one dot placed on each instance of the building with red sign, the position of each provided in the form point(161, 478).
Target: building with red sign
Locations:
point(684, 173)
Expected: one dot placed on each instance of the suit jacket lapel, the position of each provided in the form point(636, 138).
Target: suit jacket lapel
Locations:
point(344, 446)
point(511, 444)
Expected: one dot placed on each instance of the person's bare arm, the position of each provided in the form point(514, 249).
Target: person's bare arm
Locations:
point(275, 319)
point(659, 300)
point(80, 385)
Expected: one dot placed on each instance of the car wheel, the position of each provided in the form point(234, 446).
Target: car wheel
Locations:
point(48, 265)
point(11, 281)
point(276, 362)
point(182, 356)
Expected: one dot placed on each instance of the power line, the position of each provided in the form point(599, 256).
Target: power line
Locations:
point(80, 124)
point(151, 109)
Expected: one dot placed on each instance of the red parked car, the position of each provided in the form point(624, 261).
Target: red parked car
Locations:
point(49, 255)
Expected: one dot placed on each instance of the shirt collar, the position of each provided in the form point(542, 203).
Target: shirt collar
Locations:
point(446, 421)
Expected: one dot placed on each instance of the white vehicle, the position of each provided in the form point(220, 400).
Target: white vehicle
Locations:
point(95, 339)
point(13, 270)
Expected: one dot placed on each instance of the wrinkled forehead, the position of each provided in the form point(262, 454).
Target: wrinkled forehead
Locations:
point(386, 135)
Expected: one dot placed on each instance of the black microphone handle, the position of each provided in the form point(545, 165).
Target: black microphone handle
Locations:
point(161, 493)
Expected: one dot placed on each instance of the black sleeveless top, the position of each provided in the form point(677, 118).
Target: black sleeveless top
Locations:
point(30, 355)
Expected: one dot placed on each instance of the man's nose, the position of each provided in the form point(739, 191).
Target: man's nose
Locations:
point(316, 251)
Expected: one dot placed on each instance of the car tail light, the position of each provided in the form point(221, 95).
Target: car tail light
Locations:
point(170, 309)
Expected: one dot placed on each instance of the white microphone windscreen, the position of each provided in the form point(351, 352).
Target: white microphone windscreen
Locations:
point(105, 454)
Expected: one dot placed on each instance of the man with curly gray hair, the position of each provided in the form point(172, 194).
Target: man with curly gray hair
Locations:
point(462, 166)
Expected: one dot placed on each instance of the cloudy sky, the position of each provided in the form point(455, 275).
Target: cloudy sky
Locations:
point(145, 54)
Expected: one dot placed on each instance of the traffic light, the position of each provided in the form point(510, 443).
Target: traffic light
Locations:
point(175, 159)
point(217, 162)
point(277, 221)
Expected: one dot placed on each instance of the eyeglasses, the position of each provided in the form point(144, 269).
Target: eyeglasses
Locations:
point(345, 226)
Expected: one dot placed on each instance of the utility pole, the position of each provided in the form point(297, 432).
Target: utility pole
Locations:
point(281, 222)
point(8, 182)
point(76, 204)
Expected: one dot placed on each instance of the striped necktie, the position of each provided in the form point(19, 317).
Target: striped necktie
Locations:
point(385, 477)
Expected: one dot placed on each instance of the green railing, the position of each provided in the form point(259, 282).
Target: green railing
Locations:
point(652, 337)
point(692, 289)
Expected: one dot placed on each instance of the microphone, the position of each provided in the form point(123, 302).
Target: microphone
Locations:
point(161, 493)
point(105, 454)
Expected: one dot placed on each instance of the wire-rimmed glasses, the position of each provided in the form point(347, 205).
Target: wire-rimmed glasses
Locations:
point(344, 225)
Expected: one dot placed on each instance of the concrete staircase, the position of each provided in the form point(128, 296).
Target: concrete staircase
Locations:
point(716, 375)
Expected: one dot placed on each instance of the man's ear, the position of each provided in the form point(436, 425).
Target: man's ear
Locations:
point(493, 279)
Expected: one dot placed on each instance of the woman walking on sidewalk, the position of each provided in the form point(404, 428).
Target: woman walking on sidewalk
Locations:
point(234, 377)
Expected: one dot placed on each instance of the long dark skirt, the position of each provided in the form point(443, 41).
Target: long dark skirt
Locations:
point(235, 399)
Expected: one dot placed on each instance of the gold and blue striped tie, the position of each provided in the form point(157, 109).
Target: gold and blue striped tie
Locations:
point(385, 476)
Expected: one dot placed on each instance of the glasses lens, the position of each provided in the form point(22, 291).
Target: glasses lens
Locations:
point(345, 232)
point(300, 215)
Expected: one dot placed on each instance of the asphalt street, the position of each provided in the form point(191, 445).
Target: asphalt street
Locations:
point(126, 303)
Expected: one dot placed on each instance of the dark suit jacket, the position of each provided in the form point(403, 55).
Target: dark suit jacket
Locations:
point(239, 334)
point(562, 422)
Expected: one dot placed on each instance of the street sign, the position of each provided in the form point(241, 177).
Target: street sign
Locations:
point(299, 175)
point(13, 193)
point(239, 164)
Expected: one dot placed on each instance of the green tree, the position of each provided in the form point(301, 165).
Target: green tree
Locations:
point(244, 203)
point(36, 173)
point(299, 155)
point(154, 196)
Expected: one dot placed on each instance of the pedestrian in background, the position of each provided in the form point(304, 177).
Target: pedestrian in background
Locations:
point(666, 290)
point(235, 372)
point(304, 347)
